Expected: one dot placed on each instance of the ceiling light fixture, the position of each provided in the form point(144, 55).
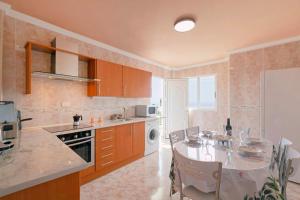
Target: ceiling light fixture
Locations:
point(184, 25)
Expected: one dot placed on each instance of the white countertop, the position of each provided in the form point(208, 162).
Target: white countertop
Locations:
point(42, 157)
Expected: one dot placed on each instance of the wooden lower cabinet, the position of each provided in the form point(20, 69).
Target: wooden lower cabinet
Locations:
point(63, 188)
point(123, 142)
point(115, 147)
point(105, 147)
point(138, 138)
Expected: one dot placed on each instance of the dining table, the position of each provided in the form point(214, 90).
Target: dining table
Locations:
point(241, 173)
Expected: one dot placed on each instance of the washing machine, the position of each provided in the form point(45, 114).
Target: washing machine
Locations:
point(152, 136)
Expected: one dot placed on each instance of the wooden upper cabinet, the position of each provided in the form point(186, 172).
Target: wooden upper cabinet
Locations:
point(136, 82)
point(111, 79)
point(123, 142)
point(138, 138)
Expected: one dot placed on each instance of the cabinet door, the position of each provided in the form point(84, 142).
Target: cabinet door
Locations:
point(123, 142)
point(138, 138)
point(105, 147)
point(111, 79)
point(136, 83)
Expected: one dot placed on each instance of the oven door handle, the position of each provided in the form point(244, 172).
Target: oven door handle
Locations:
point(78, 139)
point(74, 144)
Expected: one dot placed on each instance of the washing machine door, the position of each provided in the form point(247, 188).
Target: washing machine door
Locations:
point(153, 135)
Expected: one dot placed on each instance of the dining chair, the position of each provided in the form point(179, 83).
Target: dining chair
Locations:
point(284, 164)
point(192, 131)
point(210, 172)
point(176, 136)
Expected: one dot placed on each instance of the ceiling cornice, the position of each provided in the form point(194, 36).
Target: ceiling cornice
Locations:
point(266, 45)
point(201, 64)
point(40, 23)
point(29, 19)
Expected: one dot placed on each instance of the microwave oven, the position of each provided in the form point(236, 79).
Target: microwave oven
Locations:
point(146, 111)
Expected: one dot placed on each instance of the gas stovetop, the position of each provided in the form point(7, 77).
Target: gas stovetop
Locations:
point(56, 129)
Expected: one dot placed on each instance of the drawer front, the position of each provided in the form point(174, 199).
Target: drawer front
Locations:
point(105, 159)
point(105, 137)
point(104, 150)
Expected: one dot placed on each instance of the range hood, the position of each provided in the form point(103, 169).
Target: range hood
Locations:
point(63, 63)
point(64, 66)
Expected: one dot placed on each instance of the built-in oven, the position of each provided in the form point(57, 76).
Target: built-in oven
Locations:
point(82, 143)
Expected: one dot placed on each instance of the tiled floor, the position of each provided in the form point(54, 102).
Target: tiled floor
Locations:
point(145, 179)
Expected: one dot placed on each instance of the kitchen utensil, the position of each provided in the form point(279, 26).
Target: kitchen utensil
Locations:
point(76, 119)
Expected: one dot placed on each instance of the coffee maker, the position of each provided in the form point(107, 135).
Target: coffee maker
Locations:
point(10, 120)
point(76, 120)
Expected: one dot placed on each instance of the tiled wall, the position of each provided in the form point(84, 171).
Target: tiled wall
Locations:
point(214, 119)
point(246, 87)
point(240, 90)
point(45, 102)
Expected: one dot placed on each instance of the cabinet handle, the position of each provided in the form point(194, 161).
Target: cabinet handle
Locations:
point(107, 163)
point(110, 130)
point(99, 88)
point(107, 155)
point(124, 90)
point(110, 146)
point(110, 138)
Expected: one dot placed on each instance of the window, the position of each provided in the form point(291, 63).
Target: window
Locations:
point(202, 92)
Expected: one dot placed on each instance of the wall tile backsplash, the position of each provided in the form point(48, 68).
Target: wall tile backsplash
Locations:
point(56, 101)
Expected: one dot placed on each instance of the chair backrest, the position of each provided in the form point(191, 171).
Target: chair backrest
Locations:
point(192, 131)
point(205, 171)
point(284, 169)
point(176, 136)
point(284, 142)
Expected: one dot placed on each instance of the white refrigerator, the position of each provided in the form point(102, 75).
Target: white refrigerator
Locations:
point(281, 103)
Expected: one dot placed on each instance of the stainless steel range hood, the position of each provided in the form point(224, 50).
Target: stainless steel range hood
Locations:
point(64, 66)
point(64, 63)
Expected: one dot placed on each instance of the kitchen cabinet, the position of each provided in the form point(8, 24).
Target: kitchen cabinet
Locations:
point(123, 142)
point(105, 147)
point(111, 79)
point(63, 188)
point(138, 138)
point(115, 147)
point(136, 82)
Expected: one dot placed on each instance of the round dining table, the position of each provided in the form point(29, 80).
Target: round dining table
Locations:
point(244, 174)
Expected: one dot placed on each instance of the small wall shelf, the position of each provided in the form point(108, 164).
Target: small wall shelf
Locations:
point(34, 46)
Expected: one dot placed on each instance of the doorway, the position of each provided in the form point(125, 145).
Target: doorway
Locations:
point(157, 99)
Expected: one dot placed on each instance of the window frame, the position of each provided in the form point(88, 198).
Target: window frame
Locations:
point(198, 107)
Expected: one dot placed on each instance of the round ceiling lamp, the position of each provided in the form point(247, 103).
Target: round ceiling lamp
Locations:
point(184, 25)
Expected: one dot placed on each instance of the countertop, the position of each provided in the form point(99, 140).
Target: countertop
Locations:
point(42, 157)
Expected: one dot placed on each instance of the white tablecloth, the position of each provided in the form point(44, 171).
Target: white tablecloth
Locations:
point(241, 175)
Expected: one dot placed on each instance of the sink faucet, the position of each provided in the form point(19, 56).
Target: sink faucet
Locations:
point(124, 113)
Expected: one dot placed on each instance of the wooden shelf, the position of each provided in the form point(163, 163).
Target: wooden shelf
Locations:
point(34, 46)
point(49, 49)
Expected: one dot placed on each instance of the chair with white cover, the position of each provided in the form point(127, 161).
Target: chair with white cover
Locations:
point(282, 160)
point(210, 172)
point(193, 131)
point(285, 164)
point(176, 136)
